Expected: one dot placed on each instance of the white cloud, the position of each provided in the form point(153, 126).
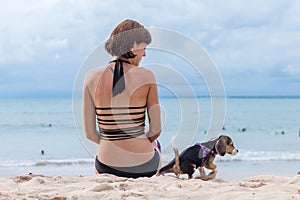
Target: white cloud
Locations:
point(51, 43)
point(32, 28)
point(258, 49)
point(57, 56)
point(293, 70)
point(258, 36)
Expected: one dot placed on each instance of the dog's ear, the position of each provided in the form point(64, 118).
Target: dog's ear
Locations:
point(221, 145)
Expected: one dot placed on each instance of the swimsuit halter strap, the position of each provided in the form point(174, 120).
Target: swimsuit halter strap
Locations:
point(118, 81)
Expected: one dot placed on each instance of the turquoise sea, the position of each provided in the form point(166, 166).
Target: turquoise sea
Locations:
point(265, 130)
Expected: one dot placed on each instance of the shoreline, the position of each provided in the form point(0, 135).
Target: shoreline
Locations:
point(34, 186)
point(228, 170)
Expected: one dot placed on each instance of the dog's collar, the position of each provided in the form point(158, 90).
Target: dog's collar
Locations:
point(206, 150)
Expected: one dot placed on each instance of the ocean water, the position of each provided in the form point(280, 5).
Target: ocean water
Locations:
point(264, 130)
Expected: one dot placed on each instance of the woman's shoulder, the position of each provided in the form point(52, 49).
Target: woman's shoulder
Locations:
point(94, 71)
point(93, 74)
point(146, 72)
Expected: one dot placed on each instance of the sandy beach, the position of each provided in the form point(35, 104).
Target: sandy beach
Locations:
point(33, 186)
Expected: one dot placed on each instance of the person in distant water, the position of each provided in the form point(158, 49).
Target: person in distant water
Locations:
point(241, 130)
point(42, 152)
point(118, 96)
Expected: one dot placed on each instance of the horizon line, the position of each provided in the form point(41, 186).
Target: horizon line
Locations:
point(170, 96)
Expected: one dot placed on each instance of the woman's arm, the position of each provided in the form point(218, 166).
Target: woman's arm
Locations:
point(89, 115)
point(153, 110)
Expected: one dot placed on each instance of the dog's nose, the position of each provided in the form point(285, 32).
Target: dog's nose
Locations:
point(234, 152)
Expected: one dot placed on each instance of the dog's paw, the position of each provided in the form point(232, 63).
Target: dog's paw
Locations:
point(159, 173)
point(212, 175)
point(203, 178)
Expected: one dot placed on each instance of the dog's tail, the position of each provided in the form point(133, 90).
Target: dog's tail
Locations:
point(173, 166)
point(176, 153)
point(176, 167)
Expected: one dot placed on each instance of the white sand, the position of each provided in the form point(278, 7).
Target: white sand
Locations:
point(163, 187)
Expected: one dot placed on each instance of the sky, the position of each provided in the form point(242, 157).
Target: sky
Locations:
point(255, 45)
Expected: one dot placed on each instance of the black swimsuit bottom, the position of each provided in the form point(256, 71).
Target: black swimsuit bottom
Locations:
point(147, 169)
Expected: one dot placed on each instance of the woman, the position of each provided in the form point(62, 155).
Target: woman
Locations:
point(117, 97)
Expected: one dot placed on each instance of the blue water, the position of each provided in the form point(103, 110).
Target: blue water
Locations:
point(269, 144)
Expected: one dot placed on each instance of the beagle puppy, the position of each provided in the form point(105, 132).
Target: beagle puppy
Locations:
point(200, 156)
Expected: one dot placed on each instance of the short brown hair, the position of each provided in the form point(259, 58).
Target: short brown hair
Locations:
point(123, 37)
